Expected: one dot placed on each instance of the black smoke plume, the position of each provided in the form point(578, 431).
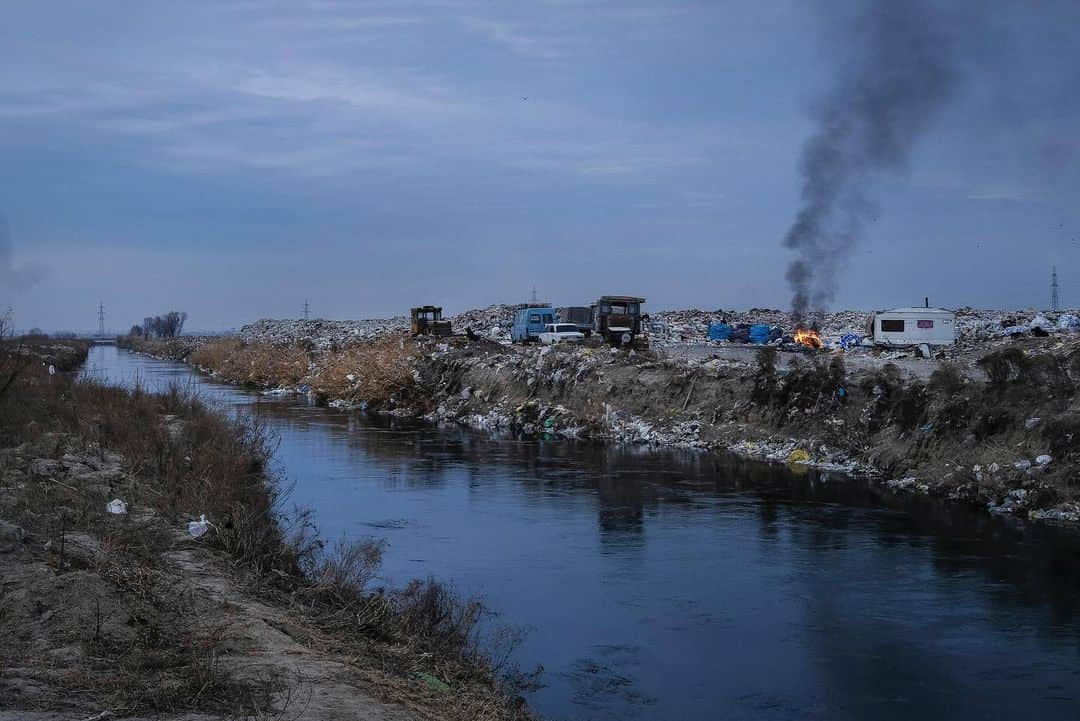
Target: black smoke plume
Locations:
point(14, 278)
point(898, 76)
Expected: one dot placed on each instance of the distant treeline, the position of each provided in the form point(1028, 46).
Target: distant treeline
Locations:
point(169, 325)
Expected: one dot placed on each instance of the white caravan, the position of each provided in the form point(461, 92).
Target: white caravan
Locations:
point(913, 326)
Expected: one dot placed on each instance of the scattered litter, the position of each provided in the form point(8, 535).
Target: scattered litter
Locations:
point(1031, 423)
point(1040, 322)
point(52, 369)
point(1068, 322)
point(1044, 459)
point(798, 456)
point(116, 507)
point(1023, 464)
point(850, 340)
point(198, 528)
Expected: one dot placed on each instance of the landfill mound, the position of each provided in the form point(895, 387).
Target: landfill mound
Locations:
point(672, 327)
point(669, 328)
point(492, 322)
point(319, 334)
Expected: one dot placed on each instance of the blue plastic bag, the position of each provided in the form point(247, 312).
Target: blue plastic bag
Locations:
point(759, 333)
point(719, 331)
point(850, 340)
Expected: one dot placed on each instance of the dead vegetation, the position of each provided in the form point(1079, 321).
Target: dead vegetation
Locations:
point(255, 365)
point(376, 373)
point(104, 619)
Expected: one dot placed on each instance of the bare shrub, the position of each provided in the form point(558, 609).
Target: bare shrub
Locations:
point(260, 365)
point(351, 566)
point(444, 622)
point(380, 371)
point(765, 382)
point(946, 379)
point(1004, 366)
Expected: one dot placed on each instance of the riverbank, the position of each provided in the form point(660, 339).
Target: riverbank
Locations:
point(991, 426)
point(118, 609)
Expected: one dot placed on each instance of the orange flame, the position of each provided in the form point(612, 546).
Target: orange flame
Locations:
point(809, 338)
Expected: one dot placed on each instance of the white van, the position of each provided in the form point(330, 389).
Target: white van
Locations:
point(912, 326)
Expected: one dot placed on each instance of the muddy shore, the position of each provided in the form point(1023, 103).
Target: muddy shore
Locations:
point(991, 426)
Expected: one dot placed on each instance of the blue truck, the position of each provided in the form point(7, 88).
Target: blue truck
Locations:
point(530, 322)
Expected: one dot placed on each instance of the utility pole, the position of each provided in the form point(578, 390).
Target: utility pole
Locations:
point(307, 310)
point(1055, 301)
point(101, 319)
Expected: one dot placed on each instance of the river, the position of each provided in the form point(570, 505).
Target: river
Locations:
point(674, 585)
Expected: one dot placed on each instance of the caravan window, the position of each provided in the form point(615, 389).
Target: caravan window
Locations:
point(925, 324)
point(548, 318)
point(534, 318)
point(892, 326)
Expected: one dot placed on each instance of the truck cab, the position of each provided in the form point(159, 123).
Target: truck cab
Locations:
point(428, 320)
point(530, 322)
point(617, 318)
point(580, 315)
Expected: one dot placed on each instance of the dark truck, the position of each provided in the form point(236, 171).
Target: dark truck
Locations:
point(617, 318)
point(428, 320)
point(577, 315)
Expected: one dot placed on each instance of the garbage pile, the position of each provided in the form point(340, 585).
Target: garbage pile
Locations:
point(320, 335)
point(974, 324)
point(761, 325)
point(492, 322)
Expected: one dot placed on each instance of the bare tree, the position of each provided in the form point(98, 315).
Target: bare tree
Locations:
point(169, 325)
point(7, 324)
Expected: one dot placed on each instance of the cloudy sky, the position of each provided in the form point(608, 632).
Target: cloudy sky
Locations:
point(231, 159)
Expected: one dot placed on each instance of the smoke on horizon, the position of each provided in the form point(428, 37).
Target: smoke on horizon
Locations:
point(900, 73)
point(13, 279)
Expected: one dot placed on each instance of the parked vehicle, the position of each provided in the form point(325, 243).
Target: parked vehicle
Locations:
point(579, 315)
point(561, 333)
point(617, 318)
point(428, 320)
point(530, 322)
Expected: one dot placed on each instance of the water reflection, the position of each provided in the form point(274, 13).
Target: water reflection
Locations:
point(664, 584)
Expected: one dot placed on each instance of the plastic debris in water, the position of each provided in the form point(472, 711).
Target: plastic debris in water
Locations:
point(198, 528)
point(116, 506)
point(52, 369)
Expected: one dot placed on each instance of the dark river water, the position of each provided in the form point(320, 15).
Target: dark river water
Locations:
point(670, 585)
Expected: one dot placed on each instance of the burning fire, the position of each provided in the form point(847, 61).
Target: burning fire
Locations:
point(809, 338)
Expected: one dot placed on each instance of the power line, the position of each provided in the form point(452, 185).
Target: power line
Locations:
point(1055, 300)
point(101, 319)
point(307, 310)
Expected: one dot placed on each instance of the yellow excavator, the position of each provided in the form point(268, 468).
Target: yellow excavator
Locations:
point(428, 320)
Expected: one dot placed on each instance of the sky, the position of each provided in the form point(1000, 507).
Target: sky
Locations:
point(234, 159)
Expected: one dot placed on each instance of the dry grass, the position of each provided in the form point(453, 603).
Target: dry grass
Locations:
point(253, 364)
point(381, 372)
point(182, 458)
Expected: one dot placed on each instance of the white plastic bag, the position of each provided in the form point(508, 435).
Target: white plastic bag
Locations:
point(198, 528)
point(116, 507)
point(1068, 321)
